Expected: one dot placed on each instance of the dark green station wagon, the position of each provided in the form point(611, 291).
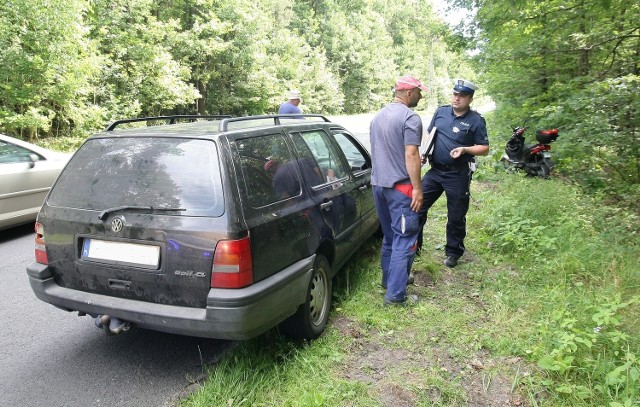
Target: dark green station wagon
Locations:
point(216, 227)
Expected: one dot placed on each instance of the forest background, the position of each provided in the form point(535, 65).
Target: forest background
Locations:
point(71, 66)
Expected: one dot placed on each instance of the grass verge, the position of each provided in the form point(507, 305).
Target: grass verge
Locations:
point(541, 311)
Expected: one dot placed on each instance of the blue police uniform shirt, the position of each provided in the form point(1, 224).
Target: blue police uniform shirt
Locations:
point(456, 131)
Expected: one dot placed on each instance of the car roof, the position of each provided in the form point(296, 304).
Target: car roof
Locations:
point(211, 127)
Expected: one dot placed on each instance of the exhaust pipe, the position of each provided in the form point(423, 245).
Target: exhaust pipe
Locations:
point(111, 325)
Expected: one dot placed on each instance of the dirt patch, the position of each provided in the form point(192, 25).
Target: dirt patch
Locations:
point(424, 279)
point(426, 371)
point(381, 367)
point(396, 396)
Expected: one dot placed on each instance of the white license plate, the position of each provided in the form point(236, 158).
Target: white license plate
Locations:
point(120, 252)
point(546, 154)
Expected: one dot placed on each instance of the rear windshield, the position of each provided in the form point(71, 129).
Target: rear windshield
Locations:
point(142, 171)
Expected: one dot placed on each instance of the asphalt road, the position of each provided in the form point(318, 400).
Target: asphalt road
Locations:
point(49, 357)
point(358, 125)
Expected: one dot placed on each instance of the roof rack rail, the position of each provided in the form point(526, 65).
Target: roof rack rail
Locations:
point(224, 124)
point(170, 119)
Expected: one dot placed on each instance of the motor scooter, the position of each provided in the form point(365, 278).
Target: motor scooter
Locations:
point(534, 159)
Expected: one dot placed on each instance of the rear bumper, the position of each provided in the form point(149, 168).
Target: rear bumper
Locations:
point(230, 313)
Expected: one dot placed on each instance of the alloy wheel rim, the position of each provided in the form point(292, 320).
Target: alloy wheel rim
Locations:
point(318, 298)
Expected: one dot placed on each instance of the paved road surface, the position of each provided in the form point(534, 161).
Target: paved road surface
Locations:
point(53, 358)
point(358, 125)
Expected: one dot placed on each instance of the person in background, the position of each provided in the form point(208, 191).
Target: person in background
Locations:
point(395, 135)
point(461, 134)
point(292, 105)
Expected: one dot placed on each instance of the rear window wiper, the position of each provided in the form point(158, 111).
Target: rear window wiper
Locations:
point(104, 213)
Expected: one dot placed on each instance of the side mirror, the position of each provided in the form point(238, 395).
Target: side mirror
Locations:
point(32, 160)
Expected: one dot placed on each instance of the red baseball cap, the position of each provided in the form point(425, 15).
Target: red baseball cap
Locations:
point(409, 82)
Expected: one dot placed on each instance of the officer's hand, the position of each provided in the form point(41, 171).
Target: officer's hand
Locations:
point(457, 152)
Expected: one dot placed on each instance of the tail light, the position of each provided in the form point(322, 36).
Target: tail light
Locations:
point(40, 249)
point(232, 264)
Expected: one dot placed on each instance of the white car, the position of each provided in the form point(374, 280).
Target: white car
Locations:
point(27, 173)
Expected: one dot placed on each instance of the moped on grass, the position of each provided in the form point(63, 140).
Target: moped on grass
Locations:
point(534, 159)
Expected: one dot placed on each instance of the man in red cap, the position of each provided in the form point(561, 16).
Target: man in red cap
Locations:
point(396, 133)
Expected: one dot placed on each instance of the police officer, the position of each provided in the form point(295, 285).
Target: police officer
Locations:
point(460, 135)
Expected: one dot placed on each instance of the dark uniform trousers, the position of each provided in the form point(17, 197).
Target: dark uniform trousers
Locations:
point(454, 181)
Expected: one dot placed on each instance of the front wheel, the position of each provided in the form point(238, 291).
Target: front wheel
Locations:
point(311, 317)
point(507, 164)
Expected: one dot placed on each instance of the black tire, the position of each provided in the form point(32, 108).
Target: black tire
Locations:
point(508, 167)
point(544, 171)
point(545, 167)
point(311, 317)
point(540, 168)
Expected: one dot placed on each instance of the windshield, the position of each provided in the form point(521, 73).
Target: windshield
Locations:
point(143, 171)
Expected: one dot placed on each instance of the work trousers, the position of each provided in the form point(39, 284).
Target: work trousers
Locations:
point(455, 184)
point(400, 226)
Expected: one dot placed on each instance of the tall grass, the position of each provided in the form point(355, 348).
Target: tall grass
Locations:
point(550, 279)
point(572, 293)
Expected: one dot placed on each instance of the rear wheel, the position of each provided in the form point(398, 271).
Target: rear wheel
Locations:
point(541, 167)
point(311, 317)
point(544, 171)
point(546, 165)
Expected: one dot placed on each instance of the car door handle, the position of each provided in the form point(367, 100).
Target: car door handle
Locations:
point(326, 206)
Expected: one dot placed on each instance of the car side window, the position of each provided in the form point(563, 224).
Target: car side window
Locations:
point(269, 169)
point(325, 163)
point(10, 153)
point(358, 161)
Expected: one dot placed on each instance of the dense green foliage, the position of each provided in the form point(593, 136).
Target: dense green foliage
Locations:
point(48, 67)
point(70, 66)
point(569, 305)
point(574, 64)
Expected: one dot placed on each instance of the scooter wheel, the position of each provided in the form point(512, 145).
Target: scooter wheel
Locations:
point(545, 168)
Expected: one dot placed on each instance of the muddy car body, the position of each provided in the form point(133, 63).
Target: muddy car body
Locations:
point(222, 228)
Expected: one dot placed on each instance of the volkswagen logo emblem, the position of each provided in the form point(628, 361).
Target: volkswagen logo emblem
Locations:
point(117, 224)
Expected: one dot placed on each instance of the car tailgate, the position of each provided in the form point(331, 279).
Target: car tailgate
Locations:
point(152, 264)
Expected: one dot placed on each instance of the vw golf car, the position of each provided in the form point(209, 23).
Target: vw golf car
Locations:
point(220, 228)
